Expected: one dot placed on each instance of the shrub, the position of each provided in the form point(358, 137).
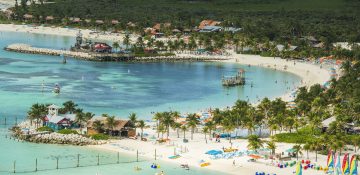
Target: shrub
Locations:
point(99, 137)
point(67, 131)
point(45, 128)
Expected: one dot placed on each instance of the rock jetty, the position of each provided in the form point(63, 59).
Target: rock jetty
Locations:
point(71, 139)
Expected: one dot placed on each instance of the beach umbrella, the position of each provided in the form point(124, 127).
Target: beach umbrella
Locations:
point(298, 169)
point(353, 166)
point(255, 156)
point(345, 165)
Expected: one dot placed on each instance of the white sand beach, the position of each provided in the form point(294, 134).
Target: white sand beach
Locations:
point(86, 33)
point(195, 149)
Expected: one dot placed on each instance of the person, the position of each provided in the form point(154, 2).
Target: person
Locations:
point(234, 163)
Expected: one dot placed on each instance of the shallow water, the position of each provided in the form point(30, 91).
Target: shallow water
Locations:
point(116, 89)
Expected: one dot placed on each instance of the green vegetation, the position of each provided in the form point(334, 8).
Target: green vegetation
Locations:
point(100, 137)
point(67, 131)
point(44, 128)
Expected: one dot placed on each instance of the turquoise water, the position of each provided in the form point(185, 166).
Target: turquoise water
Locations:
point(116, 89)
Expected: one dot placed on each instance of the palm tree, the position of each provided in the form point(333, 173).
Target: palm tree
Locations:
point(184, 129)
point(80, 119)
point(297, 149)
point(115, 46)
point(193, 121)
point(111, 123)
point(126, 41)
point(228, 126)
point(98, 126)
point(141, 124)
point(167, 121)
point(205, 131)
point(211, 125)
point(272, 146)
point(133, 119)
point(307, 147)
point(254, 142)
point(69, 107)
point(176, 126)
point(158, 117)
point(37, 112)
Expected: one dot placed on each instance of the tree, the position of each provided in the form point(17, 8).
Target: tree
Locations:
point(158, 117)
point(205, 131)
point(133, 119)
point(307, 147)
point(211, 126)
point(115, 46)
point(141, 124)
point(272, 146)
point(111, 123)
point(98, 126)
point(192, 122)
point(184, 129)
point(126, 41)
point(82, 118)
point(168, 120)
point(254, 142)
point(37, 112)
point(297, 149)
point(176, 126)
point(69, 107)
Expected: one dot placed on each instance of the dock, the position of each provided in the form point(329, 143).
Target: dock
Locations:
point(239, 79)
point(25, 48)
point(95, 56)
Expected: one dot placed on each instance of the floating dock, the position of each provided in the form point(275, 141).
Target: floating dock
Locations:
point(239, 79)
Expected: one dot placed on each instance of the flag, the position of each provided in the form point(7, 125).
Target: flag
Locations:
point(337, 164)
point(345, 165)
point(330, 160)
point(353, 166)
point(298, 169)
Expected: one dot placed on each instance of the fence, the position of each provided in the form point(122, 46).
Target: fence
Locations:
point(63, 162)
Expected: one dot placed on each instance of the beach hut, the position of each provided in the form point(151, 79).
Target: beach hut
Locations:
point(123, 128)
point(49, 18)
point(28, 17)
point(99, 22)
point(114, 22)
point(208, 22)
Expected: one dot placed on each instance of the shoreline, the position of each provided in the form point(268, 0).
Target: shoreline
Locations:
point(309, 73)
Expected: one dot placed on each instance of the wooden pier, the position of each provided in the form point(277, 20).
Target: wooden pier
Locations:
point(239, 79)
point(24, 48)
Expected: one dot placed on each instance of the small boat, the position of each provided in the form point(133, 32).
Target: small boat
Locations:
point(57, 89)
point(64, 60)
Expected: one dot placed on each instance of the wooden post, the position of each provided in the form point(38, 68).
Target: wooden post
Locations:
point(14, 166)
point(36, 165)
point(137, 155)
point(98, 159)
point(57, 162)
point(5, 121)
point(78, 160)
point(118, 158)
point(155, 154)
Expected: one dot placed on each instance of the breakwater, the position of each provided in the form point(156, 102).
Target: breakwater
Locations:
point(92, 56)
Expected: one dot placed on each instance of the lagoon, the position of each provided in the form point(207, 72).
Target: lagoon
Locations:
point(116, 88)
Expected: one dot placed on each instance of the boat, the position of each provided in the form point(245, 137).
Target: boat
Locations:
point(57, 89)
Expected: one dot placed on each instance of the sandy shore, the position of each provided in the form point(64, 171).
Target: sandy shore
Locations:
point(87, 34)
point(195, 149)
